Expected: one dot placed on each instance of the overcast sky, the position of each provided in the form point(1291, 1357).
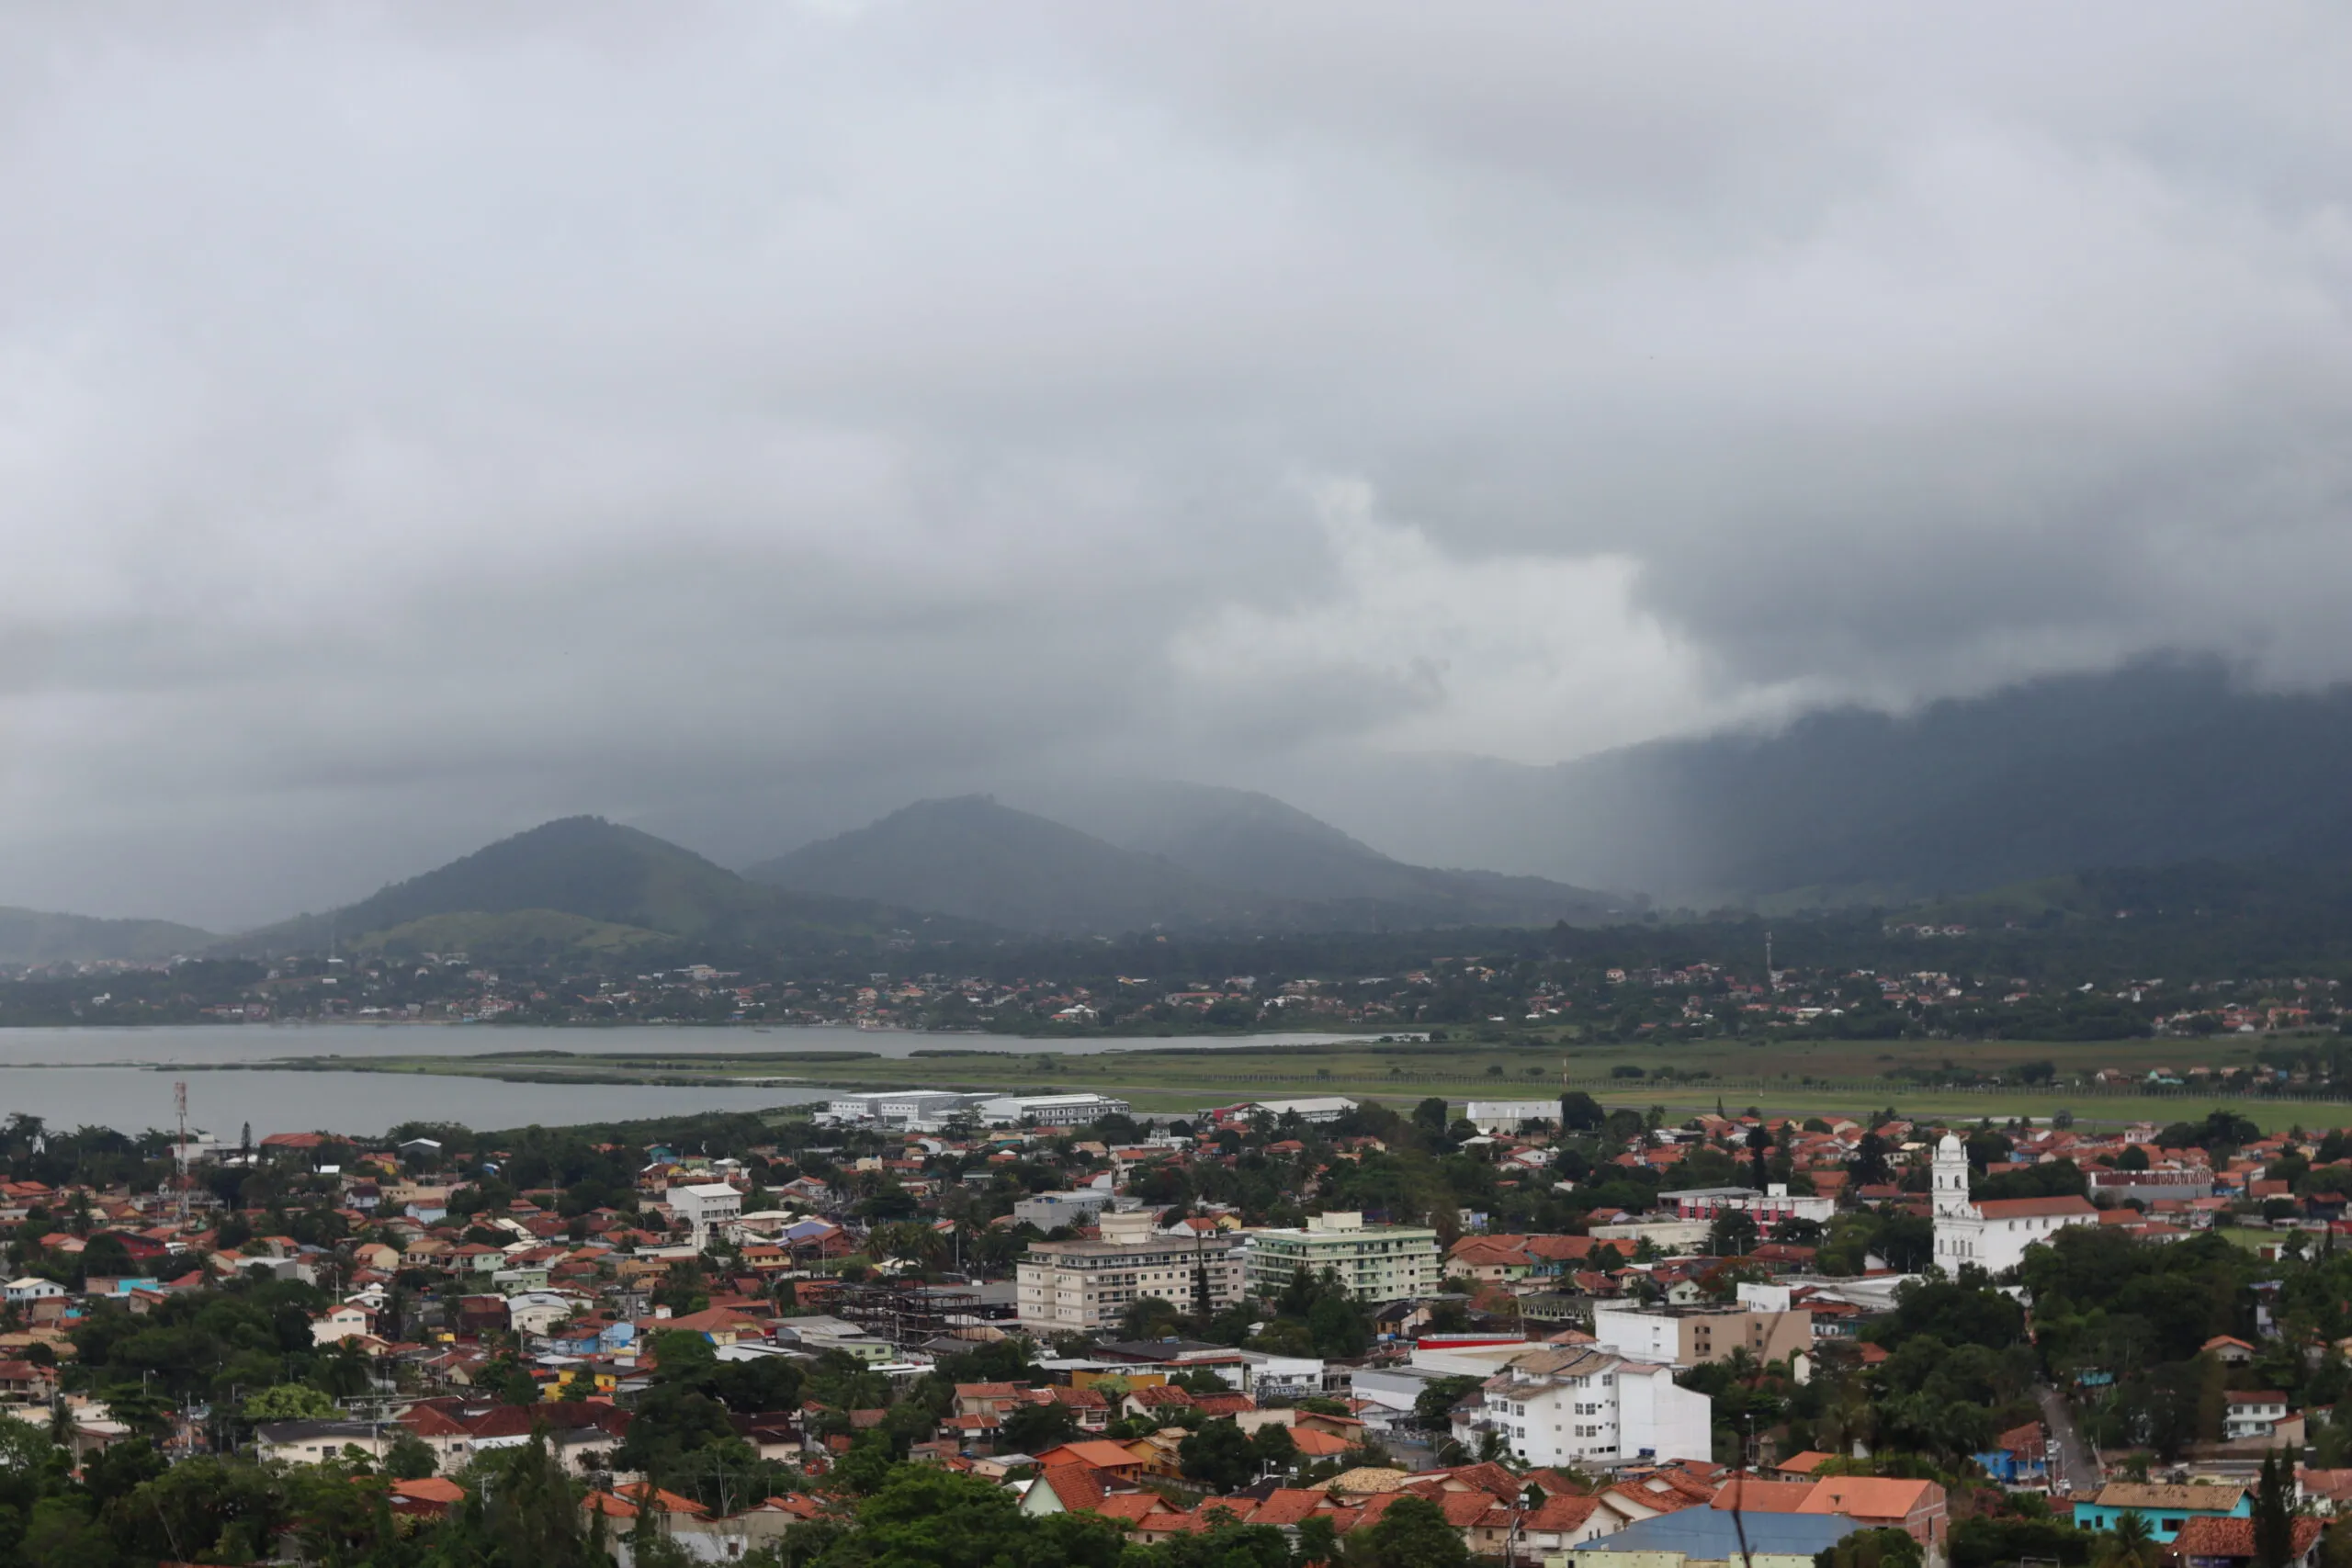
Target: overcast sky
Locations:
point(417, 421)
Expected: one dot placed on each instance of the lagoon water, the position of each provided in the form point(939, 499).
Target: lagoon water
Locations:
point(123, 1077)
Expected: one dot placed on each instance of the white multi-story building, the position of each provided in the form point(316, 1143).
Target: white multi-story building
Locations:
point(1697, 1334)
point(1767, 1208)
point(1995, 1234)
point(703, 1205)
point(1577, 1406)
point(1083, 1287)
point(1377, 1263)
point(2254, 1414)
point(1051, 1109)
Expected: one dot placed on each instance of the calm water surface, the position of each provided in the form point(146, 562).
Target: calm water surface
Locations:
point(270, 1042)
point(120, 1077)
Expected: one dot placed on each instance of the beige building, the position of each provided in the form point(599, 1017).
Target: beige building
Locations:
point(1082, 1287)
point(1377, 1263)
point(1693, 1336)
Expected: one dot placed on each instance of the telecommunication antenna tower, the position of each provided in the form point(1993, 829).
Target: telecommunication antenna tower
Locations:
point(179, 1104)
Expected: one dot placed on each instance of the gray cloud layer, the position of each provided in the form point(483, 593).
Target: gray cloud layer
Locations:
point(416, 422)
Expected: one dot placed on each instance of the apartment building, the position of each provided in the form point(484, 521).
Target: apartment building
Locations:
point(1377, 1263)
point(703, 1205)
point(1082, 1287)
point(1580, 1405)
point(1694, 1335)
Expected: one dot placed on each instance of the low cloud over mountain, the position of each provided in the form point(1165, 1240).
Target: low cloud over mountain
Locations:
point(421, 424)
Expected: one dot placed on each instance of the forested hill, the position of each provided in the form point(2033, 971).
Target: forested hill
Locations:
point(2106, 929)
point(36, 936)
point(972, 857)
point(1180, 857)
point(2162, 763)
point(583, 881)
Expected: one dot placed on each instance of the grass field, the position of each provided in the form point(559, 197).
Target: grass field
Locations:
point(1809, 1077)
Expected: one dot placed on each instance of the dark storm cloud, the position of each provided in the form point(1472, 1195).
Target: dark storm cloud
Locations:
point(418, 421)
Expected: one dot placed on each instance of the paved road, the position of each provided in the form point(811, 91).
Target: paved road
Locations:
point(2073, 1465)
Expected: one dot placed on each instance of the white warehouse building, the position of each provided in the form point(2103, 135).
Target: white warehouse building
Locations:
point(899, 1107)
point(1315, 1108)
point(1051, 1109)
point(1492, 1116)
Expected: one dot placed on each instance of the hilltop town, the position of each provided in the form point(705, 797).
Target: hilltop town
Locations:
point(1511, 1330)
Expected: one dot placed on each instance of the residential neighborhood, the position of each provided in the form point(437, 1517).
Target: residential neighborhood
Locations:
point(1588, 1331)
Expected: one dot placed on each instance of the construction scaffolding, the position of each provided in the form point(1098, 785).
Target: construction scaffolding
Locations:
point(908, 1314)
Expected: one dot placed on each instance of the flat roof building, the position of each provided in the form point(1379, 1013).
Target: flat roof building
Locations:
point(1492, 1116)
point(1085, 1287)
point(1696, 1336)
point(898, 1107)
point(1767, 1208)
point(1315, 1108)
point(1052, 1211)
point(1375, 1263)
point(1052, 1109)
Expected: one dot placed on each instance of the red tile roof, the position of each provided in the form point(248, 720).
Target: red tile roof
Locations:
point(2030, 1208)
point(1080, 1488)
point(1287, 1506)
point(1130, 1506)
point(1562, 1514)
point(2206, 1537)
point(1868, 1496)
point(1753, 1496)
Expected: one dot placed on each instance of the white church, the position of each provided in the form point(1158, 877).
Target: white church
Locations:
point(1995, 1234)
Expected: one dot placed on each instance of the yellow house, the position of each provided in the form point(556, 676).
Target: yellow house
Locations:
point(1158, 1452)
point(601, 1379)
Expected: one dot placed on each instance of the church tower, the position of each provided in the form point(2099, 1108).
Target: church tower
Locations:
point(1958, 1225)
point(1951, 1179)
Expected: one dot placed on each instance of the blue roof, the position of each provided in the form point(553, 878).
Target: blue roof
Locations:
point(1709, 1534)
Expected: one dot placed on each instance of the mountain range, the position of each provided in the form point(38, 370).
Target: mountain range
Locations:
point(2161, 763)
point(1159, 854)
point(2165, 763)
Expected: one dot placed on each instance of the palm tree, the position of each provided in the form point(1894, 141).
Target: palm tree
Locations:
point(2130, 1544)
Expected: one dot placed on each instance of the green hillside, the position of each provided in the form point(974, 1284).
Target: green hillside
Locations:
point(36, 936)
point(1184, 856)
point(515, 932)
point(974, 858)
point(592, 871)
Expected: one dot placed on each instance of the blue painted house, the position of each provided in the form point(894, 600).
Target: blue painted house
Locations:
point(2019, 1457)
point(2166, 1508)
